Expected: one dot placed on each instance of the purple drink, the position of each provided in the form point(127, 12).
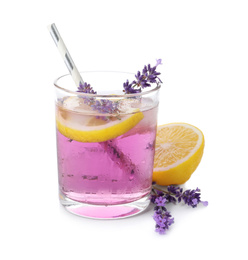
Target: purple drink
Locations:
point(105, 162)
point(94, 173)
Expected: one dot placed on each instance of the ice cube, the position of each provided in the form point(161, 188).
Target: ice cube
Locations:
point(131, 105)
point(77, 104)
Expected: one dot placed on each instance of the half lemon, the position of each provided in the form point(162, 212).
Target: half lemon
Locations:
point(178, 152)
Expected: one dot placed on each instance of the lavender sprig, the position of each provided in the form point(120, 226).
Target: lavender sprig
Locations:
point(192, 198)
point(148, 76)
point(103, 106)
point(161, 216)
point(86, 88)
point(162, 196)
point(143, 80)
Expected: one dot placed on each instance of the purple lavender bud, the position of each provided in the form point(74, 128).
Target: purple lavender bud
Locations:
point(138, 76)
point(153, 198)
point(175, 190)
point(191, 197)
point(152, 78)
point(144, 84)
point(160, 221)
point(194, 202)
point(159, 61)
point(170, 198)
point(163, 221)
point(86, 88)
point(105, 106)
point(143, 80)
point(160, 201)
point(129, 88)
point(160, 230)
point(204, 203)
point(145, 70)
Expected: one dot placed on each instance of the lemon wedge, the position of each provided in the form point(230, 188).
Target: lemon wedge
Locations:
point(78, 122)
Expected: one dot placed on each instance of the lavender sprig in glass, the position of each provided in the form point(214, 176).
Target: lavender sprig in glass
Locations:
point(104, 106)
point(143, 80)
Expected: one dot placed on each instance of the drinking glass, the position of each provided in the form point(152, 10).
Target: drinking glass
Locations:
point(105, 145)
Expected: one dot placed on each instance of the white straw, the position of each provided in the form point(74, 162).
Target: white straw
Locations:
point(122, 161)
point(65, 54)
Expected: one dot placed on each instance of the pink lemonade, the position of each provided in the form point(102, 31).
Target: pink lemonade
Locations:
point(116, 171)
point(105, 145)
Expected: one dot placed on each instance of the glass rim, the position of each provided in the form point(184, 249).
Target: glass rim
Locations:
point(146, 91)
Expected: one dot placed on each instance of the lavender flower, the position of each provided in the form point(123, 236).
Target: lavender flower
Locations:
point(160, 201)
point(173, 193)
point(176, 190)
point(86, 88)
point(163, 221)
point(105, 106)
point(159, 62)
point(161, 216)
point(155, 194)
point(161, 196)
point(192, 198)
point(129, 89)
point(148, 76)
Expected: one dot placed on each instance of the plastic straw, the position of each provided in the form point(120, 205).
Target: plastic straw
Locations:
point(65, 54)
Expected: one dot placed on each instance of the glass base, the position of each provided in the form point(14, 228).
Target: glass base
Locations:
point(105, 212)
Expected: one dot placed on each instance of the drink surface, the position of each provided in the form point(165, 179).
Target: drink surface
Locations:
point(115, 171)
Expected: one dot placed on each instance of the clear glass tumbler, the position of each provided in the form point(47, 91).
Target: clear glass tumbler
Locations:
point(105, 146)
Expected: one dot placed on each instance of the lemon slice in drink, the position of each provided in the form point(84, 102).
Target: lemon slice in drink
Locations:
point(179, 149)
point(78, 122)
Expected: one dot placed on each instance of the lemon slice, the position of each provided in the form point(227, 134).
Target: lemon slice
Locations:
point(179, 149)
point(77, 121)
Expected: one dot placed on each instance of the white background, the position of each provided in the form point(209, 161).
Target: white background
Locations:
point(204, 48)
